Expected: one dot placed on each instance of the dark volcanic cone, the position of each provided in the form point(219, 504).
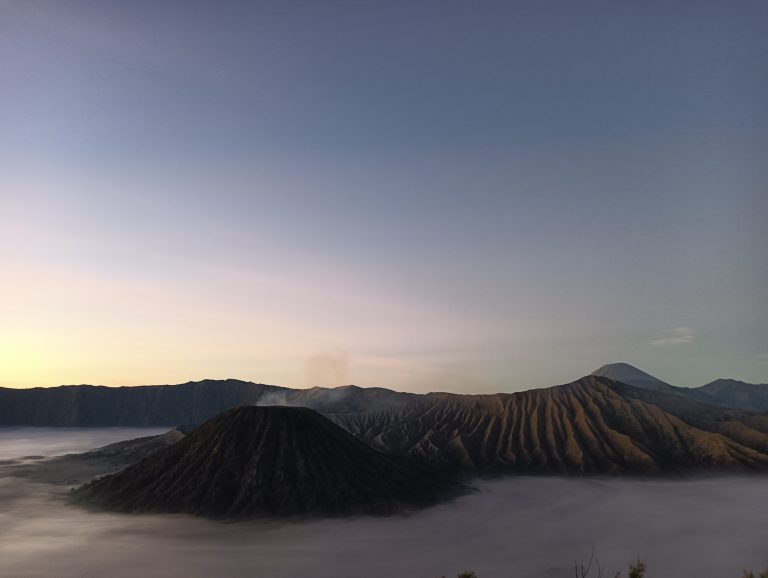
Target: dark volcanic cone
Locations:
point(268, 461)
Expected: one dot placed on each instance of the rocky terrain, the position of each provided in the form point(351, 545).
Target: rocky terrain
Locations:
point(594, 425)
point(623, 421)
point(268, 461)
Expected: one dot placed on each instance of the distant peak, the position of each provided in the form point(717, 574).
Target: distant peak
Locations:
point(631, 375)
point(227, 381)
point(728, 382)
point(619, 366)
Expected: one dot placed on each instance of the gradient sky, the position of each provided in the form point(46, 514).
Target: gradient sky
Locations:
point(462, 196)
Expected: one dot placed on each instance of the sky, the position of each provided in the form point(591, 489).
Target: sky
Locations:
point(422, 195)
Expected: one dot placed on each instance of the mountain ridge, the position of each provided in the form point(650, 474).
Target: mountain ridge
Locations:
point(170, 405)
point(196, 401)
point(724, 392)
point(593, 425)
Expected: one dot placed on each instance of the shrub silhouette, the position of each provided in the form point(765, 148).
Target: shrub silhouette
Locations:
point(592, 569)
point(637, 570)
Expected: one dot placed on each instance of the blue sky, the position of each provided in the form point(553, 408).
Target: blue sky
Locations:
point(421, 195)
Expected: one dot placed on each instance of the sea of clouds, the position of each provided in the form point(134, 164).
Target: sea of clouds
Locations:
point(518, 527)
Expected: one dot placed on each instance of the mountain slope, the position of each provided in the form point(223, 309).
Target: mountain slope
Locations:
point(267, 461)
point(629, 374)
point(594, 425)
point(733, 393)
point(723, 392)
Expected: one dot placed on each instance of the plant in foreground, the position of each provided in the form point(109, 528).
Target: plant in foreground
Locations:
point(636, 570)
point(750, 574)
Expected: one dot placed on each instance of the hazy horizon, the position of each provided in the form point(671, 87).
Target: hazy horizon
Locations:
point(517, 387)
point(419, 196)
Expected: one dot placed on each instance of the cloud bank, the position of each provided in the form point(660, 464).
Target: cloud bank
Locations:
point(519, 527)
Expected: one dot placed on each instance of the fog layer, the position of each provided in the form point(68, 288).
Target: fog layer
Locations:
point(37, 441)
point(514, 527)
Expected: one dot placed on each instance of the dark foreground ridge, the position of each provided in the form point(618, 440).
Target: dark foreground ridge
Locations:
point(268, 461)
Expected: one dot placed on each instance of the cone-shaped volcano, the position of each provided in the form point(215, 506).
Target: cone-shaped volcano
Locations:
point(267, 461)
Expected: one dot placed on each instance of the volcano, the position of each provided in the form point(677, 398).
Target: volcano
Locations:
point(269, 462)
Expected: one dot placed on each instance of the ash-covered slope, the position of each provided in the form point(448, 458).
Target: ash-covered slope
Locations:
point(131, 451)
point(594, 425)
point(268, 461)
